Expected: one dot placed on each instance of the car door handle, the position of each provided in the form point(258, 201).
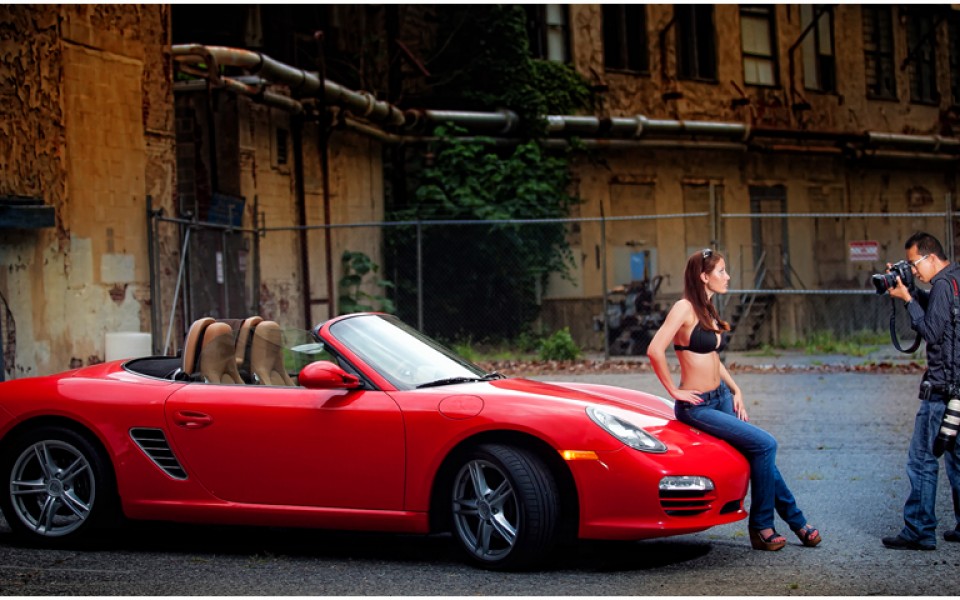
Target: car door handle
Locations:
point(189, 419)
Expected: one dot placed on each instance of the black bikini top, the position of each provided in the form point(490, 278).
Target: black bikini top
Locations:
point(703, 341)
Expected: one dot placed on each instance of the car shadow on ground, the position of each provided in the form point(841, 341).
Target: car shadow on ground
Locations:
point(437, 550)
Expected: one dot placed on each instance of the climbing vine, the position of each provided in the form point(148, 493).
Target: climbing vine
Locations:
point(483, 282)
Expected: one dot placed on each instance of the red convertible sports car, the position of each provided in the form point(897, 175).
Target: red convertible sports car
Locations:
point(362, 424)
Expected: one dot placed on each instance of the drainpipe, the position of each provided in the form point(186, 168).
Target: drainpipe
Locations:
point(324, 129)
point(296, 136)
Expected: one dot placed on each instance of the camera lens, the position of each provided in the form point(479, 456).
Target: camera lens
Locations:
point(884, 281)
point(947, 436)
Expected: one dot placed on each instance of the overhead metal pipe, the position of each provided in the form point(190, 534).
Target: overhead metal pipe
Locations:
point(301, 82)
point(235, 85)
point(204, 61)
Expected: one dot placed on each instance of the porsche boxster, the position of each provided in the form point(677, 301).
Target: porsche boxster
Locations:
point(363, 423)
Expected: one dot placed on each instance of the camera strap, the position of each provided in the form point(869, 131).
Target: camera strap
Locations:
point(893, 327)
point(954, 317)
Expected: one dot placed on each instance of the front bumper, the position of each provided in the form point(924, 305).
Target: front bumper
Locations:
point(620, 496)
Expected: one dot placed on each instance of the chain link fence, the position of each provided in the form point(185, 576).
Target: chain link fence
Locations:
point(511, 282)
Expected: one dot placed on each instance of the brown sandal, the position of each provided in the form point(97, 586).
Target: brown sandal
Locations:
point(766, 543)
point(810, 536)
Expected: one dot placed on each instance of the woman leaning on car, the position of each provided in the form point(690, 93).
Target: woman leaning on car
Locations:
point(709, 399)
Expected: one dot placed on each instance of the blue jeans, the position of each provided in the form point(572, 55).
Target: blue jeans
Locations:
point(919, 512)
point(715, 415)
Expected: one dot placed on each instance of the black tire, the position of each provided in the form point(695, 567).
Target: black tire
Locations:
point(57, 486)
point(505, 508)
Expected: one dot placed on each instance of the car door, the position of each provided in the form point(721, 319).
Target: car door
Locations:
point(291, 445)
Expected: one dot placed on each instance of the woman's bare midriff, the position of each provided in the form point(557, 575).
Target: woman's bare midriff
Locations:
point(699, 372)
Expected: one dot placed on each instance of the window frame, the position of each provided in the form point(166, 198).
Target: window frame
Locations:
point(767, 12)
point(953, 57)
point(539, 32)
point(811, 48)
point(880, 55)
point(689, 34)
point(922, 70)
point(624, 39)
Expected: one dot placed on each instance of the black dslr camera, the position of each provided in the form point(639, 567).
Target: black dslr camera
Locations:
point(888, 280)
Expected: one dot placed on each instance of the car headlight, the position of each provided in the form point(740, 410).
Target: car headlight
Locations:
point(628, 433)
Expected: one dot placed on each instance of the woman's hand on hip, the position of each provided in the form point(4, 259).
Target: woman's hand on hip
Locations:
point(688, 396)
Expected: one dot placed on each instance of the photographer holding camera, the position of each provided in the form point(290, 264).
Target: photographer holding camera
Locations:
point(935, 316)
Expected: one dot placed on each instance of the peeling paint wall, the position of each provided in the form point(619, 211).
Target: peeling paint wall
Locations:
point(87, 125)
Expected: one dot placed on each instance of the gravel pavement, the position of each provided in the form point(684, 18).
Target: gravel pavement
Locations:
point(842, 439)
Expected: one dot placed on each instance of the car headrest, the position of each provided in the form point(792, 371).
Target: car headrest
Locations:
point(191, 345)
point(266, 355)
point(218, 362)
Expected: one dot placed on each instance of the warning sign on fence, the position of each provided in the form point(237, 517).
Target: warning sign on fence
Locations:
point(865, 251)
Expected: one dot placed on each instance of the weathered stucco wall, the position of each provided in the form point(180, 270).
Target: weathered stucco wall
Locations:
point(636, 181)
point(88, 129)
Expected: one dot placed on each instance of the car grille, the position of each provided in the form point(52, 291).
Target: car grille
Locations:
point(154, 444)
point(686, 503)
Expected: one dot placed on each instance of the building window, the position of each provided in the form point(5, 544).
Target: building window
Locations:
point(922, 58)
point(878, 51)
point(549, 31)
point(759, 53)
point(819, 65)
point(696, 42)
point(625, 37)
point(954, 29)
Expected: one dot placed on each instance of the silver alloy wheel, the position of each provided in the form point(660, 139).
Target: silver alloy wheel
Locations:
point(52, 487)
point(485, 510)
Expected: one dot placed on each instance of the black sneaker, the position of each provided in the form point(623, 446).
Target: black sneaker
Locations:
point(953, 535)
point(900, 543)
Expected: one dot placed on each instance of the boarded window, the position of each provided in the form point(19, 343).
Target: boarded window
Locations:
point(627, 238)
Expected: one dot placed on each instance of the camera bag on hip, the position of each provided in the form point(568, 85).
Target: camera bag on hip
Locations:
point(946, 438)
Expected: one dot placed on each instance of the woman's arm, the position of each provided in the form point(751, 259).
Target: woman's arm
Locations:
point(657, 351)
point(738, 406)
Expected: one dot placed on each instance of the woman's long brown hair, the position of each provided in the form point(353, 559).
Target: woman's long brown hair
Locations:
point(696, 292)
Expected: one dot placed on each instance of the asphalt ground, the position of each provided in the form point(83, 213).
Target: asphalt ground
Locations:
point(842, 432)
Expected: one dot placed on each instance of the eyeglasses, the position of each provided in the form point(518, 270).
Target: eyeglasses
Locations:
point(707, 253)
point(914, 263)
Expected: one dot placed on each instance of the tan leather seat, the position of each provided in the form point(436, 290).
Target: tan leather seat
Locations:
point(245, 340)
point(266, 355)
point(191, 346)
point(218, 359)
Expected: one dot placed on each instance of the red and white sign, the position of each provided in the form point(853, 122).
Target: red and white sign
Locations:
point(865, 251)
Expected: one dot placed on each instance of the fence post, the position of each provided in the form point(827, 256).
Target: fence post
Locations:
point(419, 275)
point(950, 242)
point(154, 282)
point(603, 282)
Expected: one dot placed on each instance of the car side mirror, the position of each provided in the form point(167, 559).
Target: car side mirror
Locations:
point(324, 375)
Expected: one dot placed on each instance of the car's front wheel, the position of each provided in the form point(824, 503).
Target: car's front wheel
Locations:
point(57, 485)
point(506, 507)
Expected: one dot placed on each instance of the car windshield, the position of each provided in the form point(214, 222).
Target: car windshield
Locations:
point(405, 357)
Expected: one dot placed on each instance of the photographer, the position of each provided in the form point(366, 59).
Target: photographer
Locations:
point(932, 318)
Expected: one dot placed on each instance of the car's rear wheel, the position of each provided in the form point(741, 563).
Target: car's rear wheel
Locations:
point(57, 486)
point(506, 507)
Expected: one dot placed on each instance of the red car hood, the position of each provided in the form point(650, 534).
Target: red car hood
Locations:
point(592, 393)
